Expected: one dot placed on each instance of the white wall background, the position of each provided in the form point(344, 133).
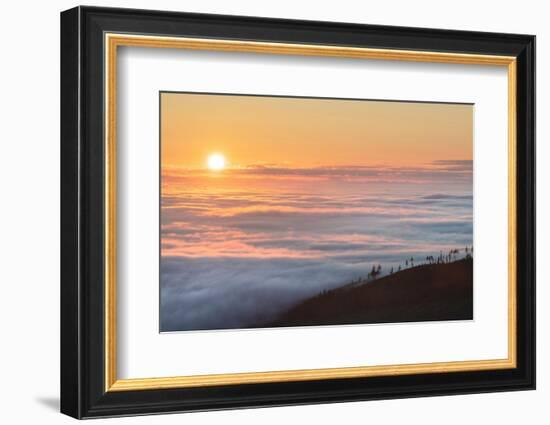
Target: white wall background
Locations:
point(29, 214)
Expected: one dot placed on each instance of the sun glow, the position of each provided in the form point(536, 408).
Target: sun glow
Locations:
point(216, 162)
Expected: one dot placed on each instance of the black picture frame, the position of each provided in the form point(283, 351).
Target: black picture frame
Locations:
point(83, 392)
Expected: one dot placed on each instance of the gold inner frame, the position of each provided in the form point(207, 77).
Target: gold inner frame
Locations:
point(113, 41)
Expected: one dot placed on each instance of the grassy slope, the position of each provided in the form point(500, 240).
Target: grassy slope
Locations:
point(427, 292)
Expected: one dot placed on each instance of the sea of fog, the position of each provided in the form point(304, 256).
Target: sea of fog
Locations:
point(240, 246)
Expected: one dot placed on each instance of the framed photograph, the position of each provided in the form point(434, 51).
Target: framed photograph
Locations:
point(261, 212)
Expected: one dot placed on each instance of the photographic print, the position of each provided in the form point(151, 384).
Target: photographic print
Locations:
point(292, 211)
point(248, 183)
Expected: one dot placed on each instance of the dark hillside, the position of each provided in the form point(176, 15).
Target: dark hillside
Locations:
point(421, 293)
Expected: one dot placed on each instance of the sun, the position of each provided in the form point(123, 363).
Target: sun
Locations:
point(216, 162)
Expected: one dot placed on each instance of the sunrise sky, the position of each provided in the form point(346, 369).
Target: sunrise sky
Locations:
point(311, 132)
point(268, 200)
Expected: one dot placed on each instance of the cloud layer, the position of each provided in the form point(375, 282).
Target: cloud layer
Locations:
point(240, 246)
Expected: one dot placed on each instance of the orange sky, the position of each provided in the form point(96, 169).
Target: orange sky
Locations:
point(295, 132)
